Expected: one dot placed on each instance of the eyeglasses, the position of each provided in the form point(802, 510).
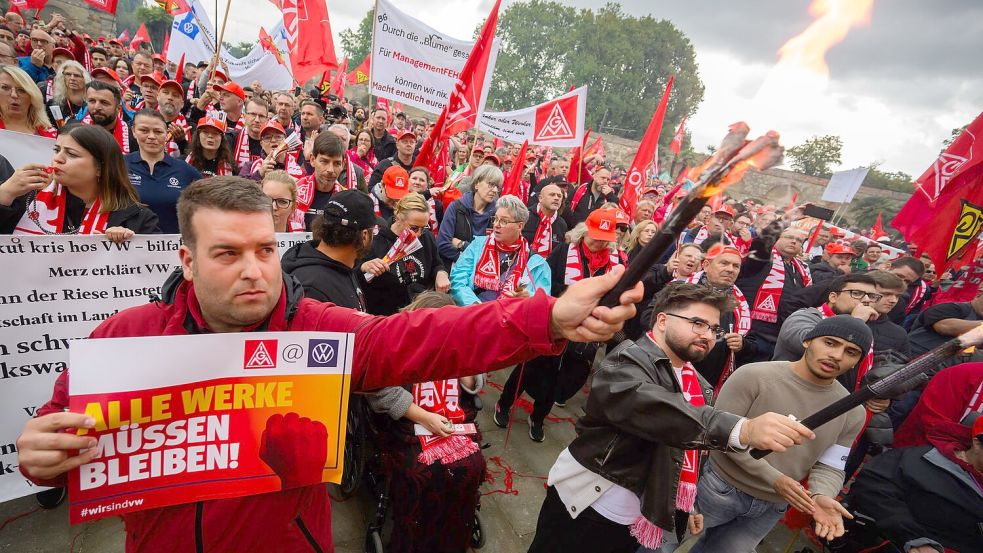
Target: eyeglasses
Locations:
point(7, 90)
point(496, 221)
point(859, 294)
point(701, 326)
point(281, 203)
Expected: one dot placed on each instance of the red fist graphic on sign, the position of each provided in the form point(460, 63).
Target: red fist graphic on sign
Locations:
point(296, 448)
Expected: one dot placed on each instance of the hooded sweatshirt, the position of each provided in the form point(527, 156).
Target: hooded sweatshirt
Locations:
point(324, 278)
point(461, 221)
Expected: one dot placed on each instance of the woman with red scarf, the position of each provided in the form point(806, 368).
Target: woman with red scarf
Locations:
point(363, 154)
point(590, 252)
point(86, 190)
point(434, 478)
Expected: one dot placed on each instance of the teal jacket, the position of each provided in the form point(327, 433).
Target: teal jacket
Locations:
point(537, 275)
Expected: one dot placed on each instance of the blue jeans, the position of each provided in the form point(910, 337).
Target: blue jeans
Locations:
point(734, 522)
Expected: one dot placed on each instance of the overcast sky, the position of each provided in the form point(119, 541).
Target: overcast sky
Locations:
point(896, 86)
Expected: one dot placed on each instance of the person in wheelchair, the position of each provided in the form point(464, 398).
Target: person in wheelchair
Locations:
point(433, 479)
point(921, 499)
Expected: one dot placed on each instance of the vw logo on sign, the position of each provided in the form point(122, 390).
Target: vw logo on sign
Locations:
point(322, 353)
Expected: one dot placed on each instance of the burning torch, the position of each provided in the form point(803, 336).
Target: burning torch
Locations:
point(725, 167)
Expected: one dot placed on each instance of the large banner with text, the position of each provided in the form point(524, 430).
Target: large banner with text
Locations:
point(180, 419)
point(558, 122)
point(57, 289)
point(414, 63)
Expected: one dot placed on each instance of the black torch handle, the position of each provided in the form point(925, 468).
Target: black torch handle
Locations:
point(828, 413)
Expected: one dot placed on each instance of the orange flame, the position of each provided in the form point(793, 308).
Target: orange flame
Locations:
point(833, 20)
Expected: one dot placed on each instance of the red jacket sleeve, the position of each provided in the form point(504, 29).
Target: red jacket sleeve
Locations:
point(434, 344)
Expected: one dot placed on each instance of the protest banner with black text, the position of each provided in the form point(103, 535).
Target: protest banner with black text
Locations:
point(62, 288)
point(558, 122)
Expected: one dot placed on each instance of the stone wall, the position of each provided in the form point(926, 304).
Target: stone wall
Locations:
point(82, 16)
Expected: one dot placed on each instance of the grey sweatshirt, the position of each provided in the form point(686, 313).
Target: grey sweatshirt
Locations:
point(757, 388)
point(789, 347)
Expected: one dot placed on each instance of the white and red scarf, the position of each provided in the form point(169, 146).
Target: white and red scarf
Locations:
point(221, 169)
point(172, 147)
point(580, 260)
point(306, 187)
point(542, 241)
point(577, 195)
point(770, 293)
point(916, 296)
point(432, 215)
point(242, 148)
point(487, 273)
point(351, 177)
point(701, 235)
point(647, 533)
point(866, 363)
point(742, 322)
point(442, 397)
point(121, 132)
point(46, 215)
point(291, 164)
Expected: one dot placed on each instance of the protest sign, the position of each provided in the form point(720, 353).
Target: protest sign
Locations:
point(62, 288)
point(414, 63)
point(843, 185)
point(193, 36)
point(207, 416)
point(558, 122)
point(20, 148)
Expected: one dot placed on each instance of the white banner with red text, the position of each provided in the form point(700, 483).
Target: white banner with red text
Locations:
point(558, 122)
point(415, 64)
point(64, 287)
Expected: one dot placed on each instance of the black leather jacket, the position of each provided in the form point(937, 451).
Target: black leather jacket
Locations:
point(638, 425)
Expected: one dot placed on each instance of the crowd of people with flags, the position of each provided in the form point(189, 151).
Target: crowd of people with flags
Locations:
point(756, 309)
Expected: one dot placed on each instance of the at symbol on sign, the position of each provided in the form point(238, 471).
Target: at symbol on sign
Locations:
point(293, 352)
point(323, 353)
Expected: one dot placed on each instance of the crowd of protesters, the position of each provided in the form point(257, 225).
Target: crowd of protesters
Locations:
point(750, 314)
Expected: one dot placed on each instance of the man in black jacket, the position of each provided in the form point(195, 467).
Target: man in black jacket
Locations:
point(589, 197)
point(618, 479)
point(544, 220)
point(326, 266)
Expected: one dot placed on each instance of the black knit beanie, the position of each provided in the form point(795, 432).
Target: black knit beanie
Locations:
point(845, 327)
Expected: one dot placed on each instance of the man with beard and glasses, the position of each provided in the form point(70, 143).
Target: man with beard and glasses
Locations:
point(741, 498)
point(104, 109)
point(683, 263)
point(170, 101)
point(327, 265)
point(630, 475)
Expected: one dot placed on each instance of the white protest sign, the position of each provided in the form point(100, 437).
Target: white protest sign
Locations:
point(193, 35)
point(843, 185)
point(20, 148)
point(62, 288)
point(415, 64)
point(558, 122)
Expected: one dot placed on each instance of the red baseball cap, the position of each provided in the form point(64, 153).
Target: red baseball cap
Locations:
point(231, 88)
point(109, 73)
point(210, 122)
point(835, 248)
point(174, 84)
point(726, 210)
point(406, 133)
point(622, 218)
point(62, 52)
point(720, 249)
point(159, 57)
point(397, 182)
point(602, 224)
point(273, 126)
point(155, 77)
point(222, 73)
point(494, 159)
point(113, 41)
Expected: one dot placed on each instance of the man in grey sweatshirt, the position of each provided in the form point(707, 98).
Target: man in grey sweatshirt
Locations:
point(741, 498)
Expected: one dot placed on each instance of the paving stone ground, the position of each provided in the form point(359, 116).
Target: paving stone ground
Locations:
point(509, 505)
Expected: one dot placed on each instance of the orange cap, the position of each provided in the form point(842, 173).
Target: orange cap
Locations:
point(396, 181)
point(602, 224)
point(273, 126)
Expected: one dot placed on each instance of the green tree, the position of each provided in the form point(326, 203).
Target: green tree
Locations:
point(817, 155)
point(158, 22)
point(240, 49)
point(356, 43)
point(863, 212)
point(897, 181)
point(952, 136)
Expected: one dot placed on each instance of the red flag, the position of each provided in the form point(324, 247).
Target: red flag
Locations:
point(338, 82)
point(967, 285)
point(108, 6)
point(17, 5)
point(461, 110)
point(576, 162)
point(791, 204)
point(635, 180)
point(677, 141)
point(266, 42)
point(596, 148)
point(877, 230)
point(124, 37)
point(514, 184)
point(384, 104)
point(167, 42)
point(308, 37)
point(179, 74)
point(398, 108)
point(141, 36)
point(361, 73)
point(547, 158)
point(945, 213)
point(173, 7)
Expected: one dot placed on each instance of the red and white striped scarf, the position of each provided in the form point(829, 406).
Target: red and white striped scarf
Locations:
point(646, 532)
point(221, 169)
point(432, 214)
point(580, 260)
point(290, 164)
point(442, 397)
point(542, 241)
point(242, 148)
point(577, 195)
point(916, 296)
point(351, 177)
point(306, 187)
point(487, 273)
point(866, 363)
point(121, 132)
point(47, 213)
point(172, 147)
point(742, 322)
point(770, 293)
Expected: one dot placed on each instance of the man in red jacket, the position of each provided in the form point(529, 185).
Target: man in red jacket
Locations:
point(232, 282)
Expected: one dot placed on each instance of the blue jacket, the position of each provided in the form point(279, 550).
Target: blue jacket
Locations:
point(479, 223)
point(537, 275)
point(39, 74)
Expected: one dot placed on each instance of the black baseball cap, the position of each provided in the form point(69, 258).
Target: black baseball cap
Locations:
point(350, 208)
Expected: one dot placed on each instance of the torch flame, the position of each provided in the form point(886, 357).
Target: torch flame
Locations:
point(834, 18)
point(760, 154)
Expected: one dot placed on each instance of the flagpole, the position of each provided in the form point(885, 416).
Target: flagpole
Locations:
point(368, 88)
point(221, 37)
